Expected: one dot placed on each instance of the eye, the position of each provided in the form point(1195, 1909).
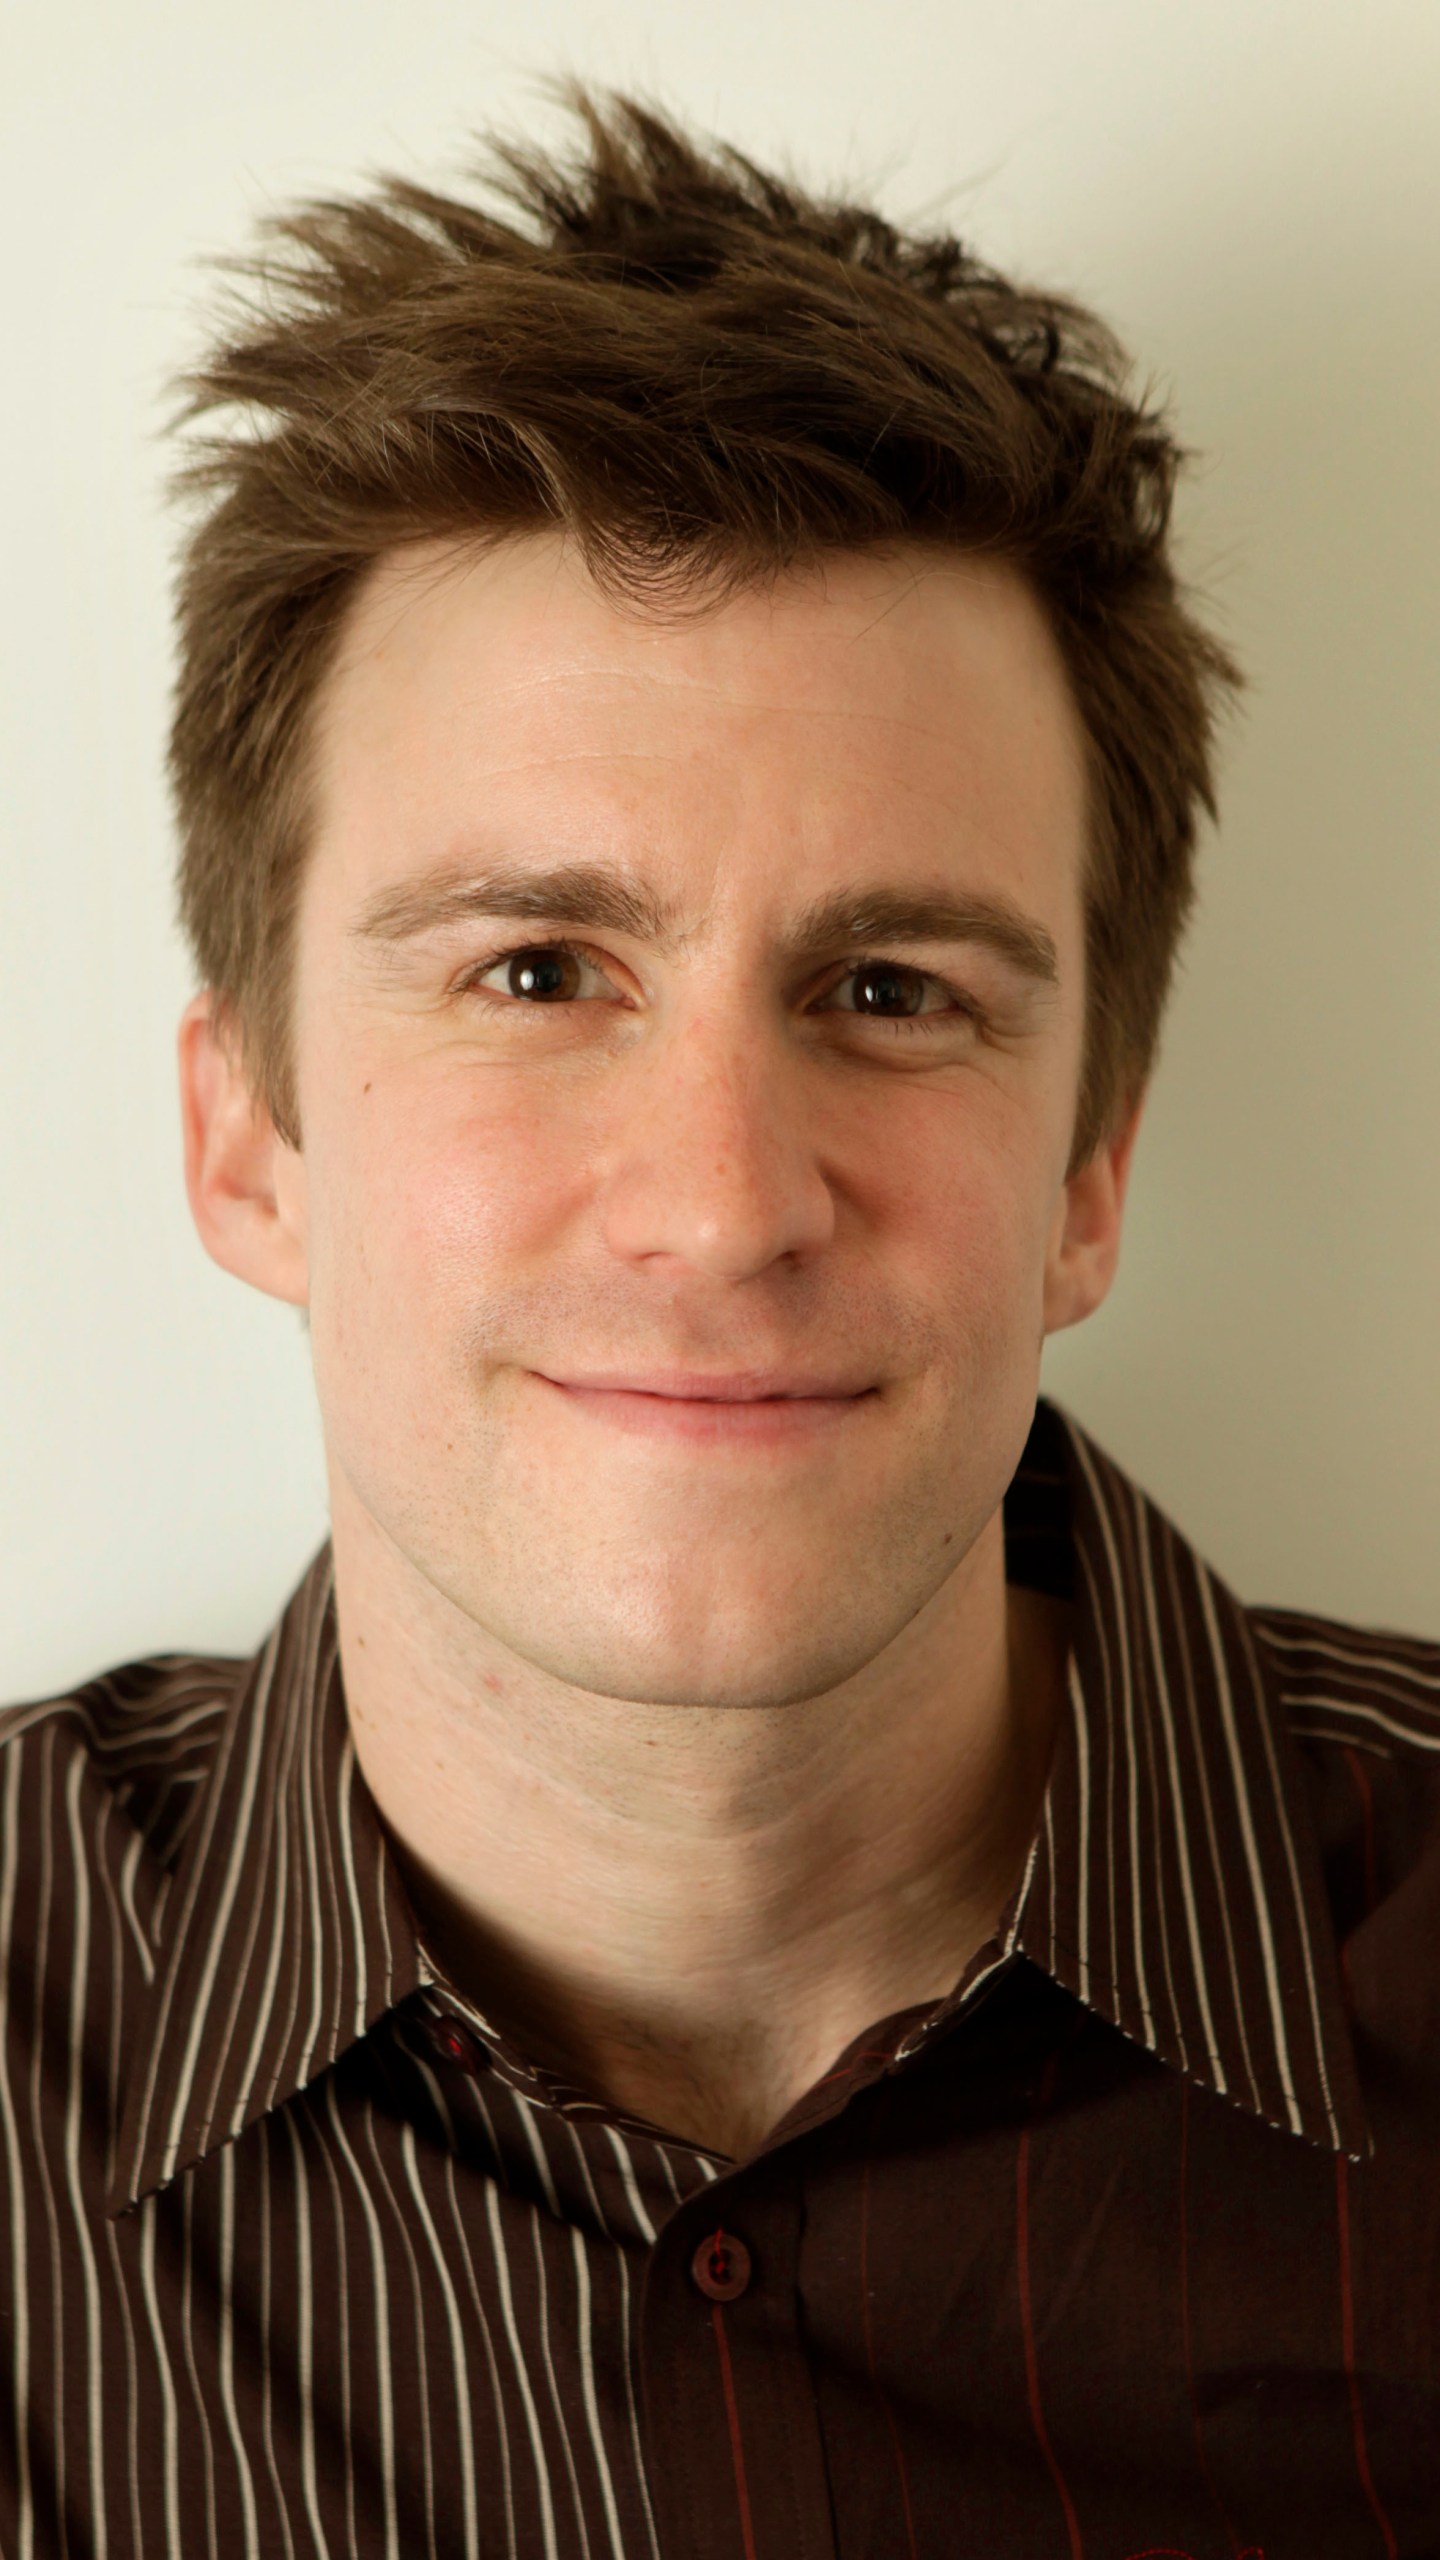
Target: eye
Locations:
point(543, 973)
point(887, 990)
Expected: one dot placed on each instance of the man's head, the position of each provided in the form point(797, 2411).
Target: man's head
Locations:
point(688, 747)
point(705, 378)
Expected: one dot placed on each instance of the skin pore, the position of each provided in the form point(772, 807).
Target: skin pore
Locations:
point(688, 1017)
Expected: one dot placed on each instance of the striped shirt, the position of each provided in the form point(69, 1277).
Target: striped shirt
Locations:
point(1131, 2245)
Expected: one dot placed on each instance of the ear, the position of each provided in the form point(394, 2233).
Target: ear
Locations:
point(246, 1186)
point(1084, 1244)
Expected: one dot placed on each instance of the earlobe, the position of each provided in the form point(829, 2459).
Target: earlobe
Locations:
point(1085, 1243)
point(245, 1185)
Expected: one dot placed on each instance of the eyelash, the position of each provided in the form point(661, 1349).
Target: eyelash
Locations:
point(469, 983)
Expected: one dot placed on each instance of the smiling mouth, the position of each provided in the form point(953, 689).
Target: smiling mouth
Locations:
point(697, 1386)
point(745, 1405)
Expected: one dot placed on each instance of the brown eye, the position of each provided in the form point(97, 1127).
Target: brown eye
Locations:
point(542, 973)
point(545, 975)
point(880, 987)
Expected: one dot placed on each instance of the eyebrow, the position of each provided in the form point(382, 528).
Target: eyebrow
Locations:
point(856, 919)
point(587, 895)
point(573, 892)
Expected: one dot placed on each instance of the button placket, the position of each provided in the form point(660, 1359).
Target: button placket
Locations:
point(724, 2373)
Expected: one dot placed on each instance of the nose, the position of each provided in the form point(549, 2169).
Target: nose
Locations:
point(712, 1164)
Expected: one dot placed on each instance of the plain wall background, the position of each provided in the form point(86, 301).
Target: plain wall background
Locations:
point(1251, 193)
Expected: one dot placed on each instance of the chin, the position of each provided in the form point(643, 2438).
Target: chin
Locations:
point(694, 1636)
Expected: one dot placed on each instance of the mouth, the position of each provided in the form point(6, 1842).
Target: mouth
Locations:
point(746, 1406)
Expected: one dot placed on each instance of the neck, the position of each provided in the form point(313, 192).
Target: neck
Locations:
point(693, 1910)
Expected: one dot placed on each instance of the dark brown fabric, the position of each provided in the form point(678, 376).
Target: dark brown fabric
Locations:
point(1131, 2246)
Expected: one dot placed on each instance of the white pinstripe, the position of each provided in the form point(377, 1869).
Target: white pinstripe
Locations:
point(1423, 1737)
point(632, 2412)
point(278, 1874)
point(1361, 1658)
point(1252, 1855)
point(170, 2430)
point(305, 2343)
point(1292, 1870)
point(305, 1765)
point(342, 2251)
point(1082, 1762)
point(460, 2365)
point(527, 2397)
point(347, 1847)
point(267, 2368)
point(1127, 1711)
point(587, 2390)
point(230, 1886)
point(187, 2336)
point(526, 2114)
point(1182, 1837)
point(502, 2431)
point(643, 2223)
point(380, 2293)
point(227, 2352)
point(1200, 1762)
point(422, 2350)
point(84, 2247)
point(128, 1871)
point(37, 2119)
point(14, 2171)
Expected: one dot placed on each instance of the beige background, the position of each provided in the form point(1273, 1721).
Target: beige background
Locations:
point(1252, 193)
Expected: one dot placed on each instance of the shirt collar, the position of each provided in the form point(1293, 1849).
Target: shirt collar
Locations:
point(286, 1932)
point(1174, 1885)
point(1175, 1882)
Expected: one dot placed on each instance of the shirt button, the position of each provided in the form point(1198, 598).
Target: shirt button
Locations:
point(721, 2267)
point(455, 2044)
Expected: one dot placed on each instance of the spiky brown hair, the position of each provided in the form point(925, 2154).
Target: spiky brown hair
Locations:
point(707, 377)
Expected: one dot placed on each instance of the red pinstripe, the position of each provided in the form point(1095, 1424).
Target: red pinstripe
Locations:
point(732, 2420)
point(1347, 2319)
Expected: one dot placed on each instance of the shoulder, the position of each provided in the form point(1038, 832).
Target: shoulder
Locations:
point(136, 1740)
point(1366, 1686)
point(1361, 1706)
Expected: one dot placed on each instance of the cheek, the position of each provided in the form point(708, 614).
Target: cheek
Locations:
point(963, 1188)
point(423, 1204)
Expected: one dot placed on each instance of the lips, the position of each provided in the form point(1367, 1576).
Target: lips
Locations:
point(693, 1386)
point(738, 1409)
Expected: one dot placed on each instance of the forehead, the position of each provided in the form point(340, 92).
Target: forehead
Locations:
point(908, 709)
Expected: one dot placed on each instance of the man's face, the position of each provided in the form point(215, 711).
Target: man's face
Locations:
point(688, 1020)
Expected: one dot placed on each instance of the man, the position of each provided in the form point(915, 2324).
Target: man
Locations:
point(764, 1963)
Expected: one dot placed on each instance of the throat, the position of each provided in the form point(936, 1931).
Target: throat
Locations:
point(713, 2057)
point(700, 1952)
